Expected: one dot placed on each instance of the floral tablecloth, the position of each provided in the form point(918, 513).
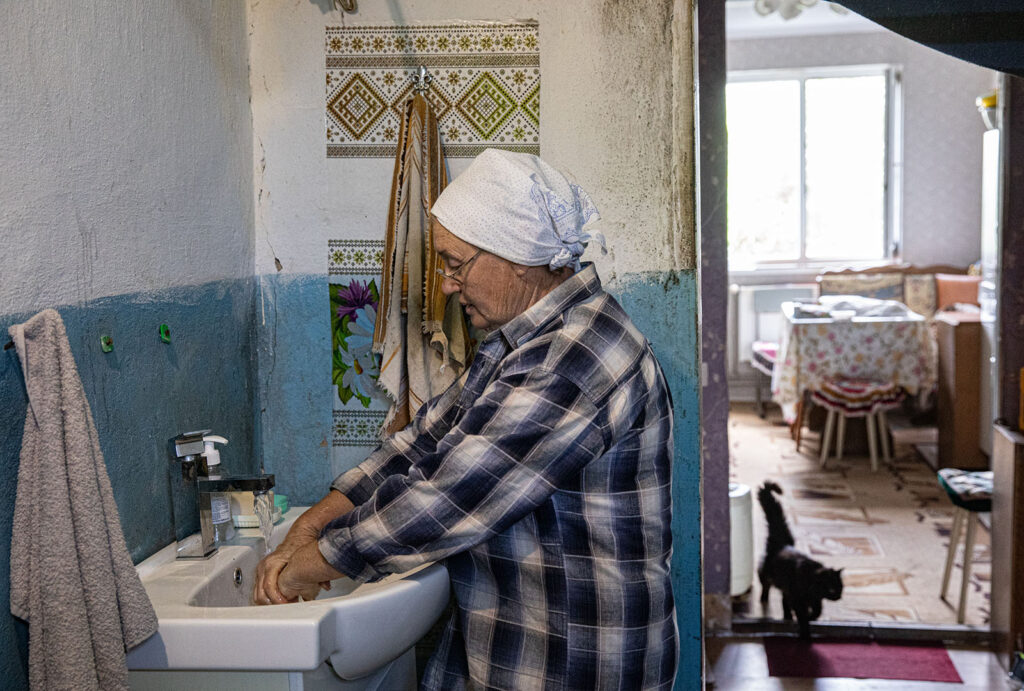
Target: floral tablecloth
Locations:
point(900, 350)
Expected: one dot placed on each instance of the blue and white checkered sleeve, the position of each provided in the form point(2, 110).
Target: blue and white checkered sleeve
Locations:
point(528, 433)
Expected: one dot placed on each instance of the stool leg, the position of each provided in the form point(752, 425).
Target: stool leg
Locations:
point(972, 523)
point(758, 403)
point(826, 436)
point(869, 421)
point(798, 426)
point(954, 539)
point(883, 433)
point(840, 437)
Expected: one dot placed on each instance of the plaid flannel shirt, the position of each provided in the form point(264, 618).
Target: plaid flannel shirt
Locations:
point(543, 480)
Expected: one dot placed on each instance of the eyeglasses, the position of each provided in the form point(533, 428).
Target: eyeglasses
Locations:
point(454, 273)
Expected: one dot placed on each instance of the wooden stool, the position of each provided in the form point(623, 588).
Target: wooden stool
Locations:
point(846, 398)
point(971, 494)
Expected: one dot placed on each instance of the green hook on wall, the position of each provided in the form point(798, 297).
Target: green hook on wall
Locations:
point(106, 344)
point(165, 333)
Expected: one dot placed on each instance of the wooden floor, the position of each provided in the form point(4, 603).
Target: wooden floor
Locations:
point(741, 665)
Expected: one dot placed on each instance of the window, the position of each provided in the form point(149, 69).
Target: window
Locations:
point(812, 166)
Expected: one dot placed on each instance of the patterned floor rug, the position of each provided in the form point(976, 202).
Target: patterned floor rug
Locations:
point(889, 530)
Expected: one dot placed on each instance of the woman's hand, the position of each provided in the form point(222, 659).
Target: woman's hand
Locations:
point(294, 573)
point(267, 589)
point(291, 586)
point(277, 584)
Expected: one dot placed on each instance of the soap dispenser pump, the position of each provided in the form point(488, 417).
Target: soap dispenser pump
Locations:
point(220, 503)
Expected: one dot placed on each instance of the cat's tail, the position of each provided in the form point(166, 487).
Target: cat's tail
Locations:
point(778, 529)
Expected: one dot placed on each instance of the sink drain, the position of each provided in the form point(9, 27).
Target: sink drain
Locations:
point(238, 577)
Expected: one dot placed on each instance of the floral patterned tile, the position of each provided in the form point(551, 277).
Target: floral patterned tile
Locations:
point(355, 367)
point(357, 427)
point(484, 86)
point(355, 258)
point(354, 270)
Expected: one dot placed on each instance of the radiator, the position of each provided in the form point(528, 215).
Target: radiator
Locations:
point(755, 314)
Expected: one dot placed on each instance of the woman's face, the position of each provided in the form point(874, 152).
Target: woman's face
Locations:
point(491, 290)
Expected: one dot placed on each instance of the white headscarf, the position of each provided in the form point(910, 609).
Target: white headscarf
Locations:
point(518, 207)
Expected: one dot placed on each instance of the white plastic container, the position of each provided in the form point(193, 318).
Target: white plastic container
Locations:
point(243, 509)
point(220, 503)
point(741, 539)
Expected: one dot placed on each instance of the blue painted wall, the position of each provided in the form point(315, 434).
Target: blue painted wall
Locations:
point(141, 394)
point(294, 385)
point(663, 305)
point(145, 392)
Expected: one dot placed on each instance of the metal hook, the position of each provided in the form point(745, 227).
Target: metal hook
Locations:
point(421, 82)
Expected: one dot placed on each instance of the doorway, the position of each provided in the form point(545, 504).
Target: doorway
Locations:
point(844, 512)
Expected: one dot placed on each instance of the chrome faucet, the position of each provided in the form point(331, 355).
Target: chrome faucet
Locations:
point(192, 450)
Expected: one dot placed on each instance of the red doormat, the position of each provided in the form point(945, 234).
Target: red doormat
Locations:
point(792, 657)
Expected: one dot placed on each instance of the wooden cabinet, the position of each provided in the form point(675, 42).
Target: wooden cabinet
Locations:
point(959, 341)
point(1007, 542)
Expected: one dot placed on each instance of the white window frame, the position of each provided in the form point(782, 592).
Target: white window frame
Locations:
point(893, 180)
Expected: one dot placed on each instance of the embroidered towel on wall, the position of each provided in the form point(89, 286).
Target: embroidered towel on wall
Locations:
point(72, 578)
point(420, 333)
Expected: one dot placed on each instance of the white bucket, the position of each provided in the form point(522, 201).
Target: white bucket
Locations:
point(741, 539)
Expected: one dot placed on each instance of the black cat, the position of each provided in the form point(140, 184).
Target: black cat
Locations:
point(803, 581)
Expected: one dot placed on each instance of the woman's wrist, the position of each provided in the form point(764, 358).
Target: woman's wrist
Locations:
point(306, 568)
point(309, 525)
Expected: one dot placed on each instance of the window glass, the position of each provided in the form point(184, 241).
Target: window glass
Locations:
point(807, 167)
point(763, 121)
point(844, 149)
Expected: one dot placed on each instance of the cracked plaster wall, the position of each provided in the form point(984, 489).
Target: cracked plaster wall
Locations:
point(610, 65)
point(126, 202)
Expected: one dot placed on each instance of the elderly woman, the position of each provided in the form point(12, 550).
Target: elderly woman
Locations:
point(541, 478)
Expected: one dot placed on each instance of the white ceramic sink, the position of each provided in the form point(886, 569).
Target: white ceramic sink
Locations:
point(207, 623)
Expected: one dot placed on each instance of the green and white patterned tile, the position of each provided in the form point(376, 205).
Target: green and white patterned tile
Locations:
point(484, 87)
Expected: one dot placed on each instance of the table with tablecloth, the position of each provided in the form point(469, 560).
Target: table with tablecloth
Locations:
point(899, 349)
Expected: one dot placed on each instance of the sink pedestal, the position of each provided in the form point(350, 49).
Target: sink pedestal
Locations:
point(399, 675)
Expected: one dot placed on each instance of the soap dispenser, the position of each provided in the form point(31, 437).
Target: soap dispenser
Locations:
point(220, 502)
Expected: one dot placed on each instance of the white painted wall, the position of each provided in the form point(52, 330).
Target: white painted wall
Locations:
point(942, 131)
point(125, 146)
point(608, 117)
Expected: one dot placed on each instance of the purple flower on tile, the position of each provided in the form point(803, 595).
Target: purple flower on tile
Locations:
point(353, 296)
